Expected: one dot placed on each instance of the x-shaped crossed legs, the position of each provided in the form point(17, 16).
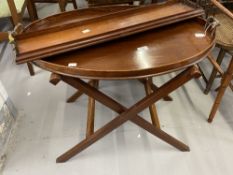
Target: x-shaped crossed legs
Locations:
point(149, 88)
point(126, 114)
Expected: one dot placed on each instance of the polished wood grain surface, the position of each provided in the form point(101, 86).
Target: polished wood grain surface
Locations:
point(153, 52)
point(141, 55)
point(66, 18)
point(31, 46)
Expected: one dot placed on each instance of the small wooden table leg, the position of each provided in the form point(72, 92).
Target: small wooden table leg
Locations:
point(74, 4)
point(32, 10)
point(152, 108)
point(62, 5)
point(91, 112)
point(76, 95)
point(226, 80)
point(154, 88)
point(30, 68)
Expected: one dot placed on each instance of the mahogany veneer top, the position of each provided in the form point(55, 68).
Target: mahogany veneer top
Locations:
point(150, 53)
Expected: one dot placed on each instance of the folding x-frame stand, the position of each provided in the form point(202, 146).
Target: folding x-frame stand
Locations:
point(125, 114)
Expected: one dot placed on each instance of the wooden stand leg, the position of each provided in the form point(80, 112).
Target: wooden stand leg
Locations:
point(152, 108)
point(30, 68)
point(76, 95)
point(74, 4)
point(62, 5)
point(226, 80)
point(91, 112)
point(54, 79)
point(214, 71)
point(15, 17)
point(154, 88)
point(32, 10)
point(128, 114)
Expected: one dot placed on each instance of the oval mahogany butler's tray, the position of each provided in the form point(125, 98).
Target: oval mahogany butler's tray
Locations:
point(149, 53)
point(32, 45)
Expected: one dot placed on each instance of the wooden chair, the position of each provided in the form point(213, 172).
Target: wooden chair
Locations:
point(224, 40)
point(14, 9)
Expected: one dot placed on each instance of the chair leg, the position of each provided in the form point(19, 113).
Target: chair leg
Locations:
point(214, 71)
point(62, 5)
point(74, 4)
point(32, 10)
point(202, 74)
point(226, 80)
point(31, 69)
point(13, 10)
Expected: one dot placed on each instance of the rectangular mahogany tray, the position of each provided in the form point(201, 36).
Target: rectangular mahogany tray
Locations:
point(70, 36)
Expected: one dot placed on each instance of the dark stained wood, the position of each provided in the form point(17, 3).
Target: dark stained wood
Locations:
point(55, 79)
point(63, 3)
point(143, 55)
point(154, 87)
point(152, 108)
point(32, 10)
point(76, 95)
point(91, 112)
point(32, 46)
point(166, 98)
point(130, 113)
point(30, 68)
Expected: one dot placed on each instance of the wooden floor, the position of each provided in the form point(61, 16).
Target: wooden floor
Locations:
point(47, 126)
